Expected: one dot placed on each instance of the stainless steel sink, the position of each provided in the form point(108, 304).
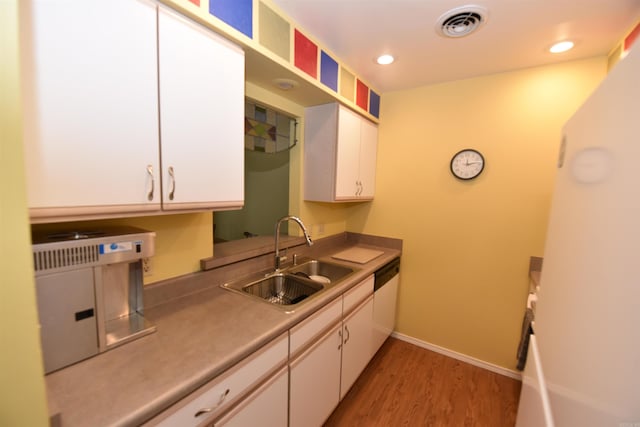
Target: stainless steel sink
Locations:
point(290, 287)
point(283, 289)
point(321, 271)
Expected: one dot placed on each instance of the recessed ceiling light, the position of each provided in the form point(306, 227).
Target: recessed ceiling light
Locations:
point(285, 84)
point(385, 59)
point(561, 46)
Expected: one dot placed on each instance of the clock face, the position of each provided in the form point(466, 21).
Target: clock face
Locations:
point(467, 164)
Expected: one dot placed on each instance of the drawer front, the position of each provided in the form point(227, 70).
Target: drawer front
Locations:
point(310, 328)
point(221, 392)
point(266, 407)
point(356, 295)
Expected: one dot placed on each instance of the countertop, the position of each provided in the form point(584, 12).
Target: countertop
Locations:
point(202, 330)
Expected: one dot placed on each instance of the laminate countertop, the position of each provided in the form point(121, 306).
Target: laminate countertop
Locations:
point(202, 330)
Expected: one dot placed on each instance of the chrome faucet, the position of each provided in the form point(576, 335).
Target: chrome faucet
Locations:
point(280, 259)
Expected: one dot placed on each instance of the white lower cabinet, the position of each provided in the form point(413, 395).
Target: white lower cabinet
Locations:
point(266, 407)
point(324, 372)
point(357, 344)
point(235, 389)
point(326, 353)
point(315, 381)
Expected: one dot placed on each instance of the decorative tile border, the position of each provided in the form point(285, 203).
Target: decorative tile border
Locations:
point(260, 22)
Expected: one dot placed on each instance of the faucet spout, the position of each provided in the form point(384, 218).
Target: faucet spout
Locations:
point(280, 259)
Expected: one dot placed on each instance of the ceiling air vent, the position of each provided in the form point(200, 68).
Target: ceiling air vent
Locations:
point(461, 21)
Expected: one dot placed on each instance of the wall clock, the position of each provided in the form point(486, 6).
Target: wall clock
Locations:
point(467, 164)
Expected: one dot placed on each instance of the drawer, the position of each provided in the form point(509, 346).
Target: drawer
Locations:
point(226, 389)
point(310, 328)
point(357, 294)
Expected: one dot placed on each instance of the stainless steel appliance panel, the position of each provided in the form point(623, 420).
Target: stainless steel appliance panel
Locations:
point(66, 305)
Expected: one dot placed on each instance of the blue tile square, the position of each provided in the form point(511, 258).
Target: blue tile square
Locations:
point(328, 71)
point(374, 104)
point(237, 13)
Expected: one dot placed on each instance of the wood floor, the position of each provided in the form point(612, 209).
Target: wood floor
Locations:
point(406, 385)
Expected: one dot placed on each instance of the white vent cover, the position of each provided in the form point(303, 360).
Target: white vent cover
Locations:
point(61, 258)
point(461, 21)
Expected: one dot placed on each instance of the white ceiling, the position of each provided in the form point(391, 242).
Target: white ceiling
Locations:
point(517, 34)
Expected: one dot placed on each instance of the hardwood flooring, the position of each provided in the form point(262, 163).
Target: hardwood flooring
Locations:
point(406, 385)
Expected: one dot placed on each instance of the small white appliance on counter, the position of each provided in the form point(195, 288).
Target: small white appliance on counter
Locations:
point(89, 290)
point(583, 366)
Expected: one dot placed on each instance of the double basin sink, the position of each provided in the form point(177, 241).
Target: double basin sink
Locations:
point(289, 287)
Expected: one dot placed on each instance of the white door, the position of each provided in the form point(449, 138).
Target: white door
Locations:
point(357, 348)
point(368, 157)
point(347, 154)
point(201, 116)
point(314, 389)
point(91, 107)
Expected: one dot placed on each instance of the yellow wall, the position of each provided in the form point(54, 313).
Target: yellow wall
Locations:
point(22, 391)
point(467, 244)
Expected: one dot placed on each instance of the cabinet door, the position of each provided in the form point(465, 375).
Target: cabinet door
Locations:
point(368, 156)
point(266, 407)
point(90, 107)
point(348, 154)
point(201, 79)
point(357, 348)
point(315, 381)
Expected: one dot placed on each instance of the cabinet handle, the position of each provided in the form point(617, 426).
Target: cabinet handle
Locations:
point(340, 335)
point(346, 328)
point(223, 396)
point(153, 181)
point(173, 183)
point(203, 411)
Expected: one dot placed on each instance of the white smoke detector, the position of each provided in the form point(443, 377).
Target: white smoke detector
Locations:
point(461, 21)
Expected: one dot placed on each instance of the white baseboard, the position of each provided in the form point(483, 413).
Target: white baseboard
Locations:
point(459, 356)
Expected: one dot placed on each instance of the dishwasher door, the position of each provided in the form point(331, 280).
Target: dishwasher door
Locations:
point(385, 294)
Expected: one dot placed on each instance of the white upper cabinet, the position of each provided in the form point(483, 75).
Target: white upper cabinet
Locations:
point(340, 154)
point(90, 107)
point(128, 110)
point(201, 116)
point(368, 157)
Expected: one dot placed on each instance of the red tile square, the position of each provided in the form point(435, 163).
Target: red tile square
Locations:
point(362, 95)
point(196, 2)
point(631, 38)
point(306, 54)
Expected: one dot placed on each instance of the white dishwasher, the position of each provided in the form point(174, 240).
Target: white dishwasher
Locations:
point(384, 302)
